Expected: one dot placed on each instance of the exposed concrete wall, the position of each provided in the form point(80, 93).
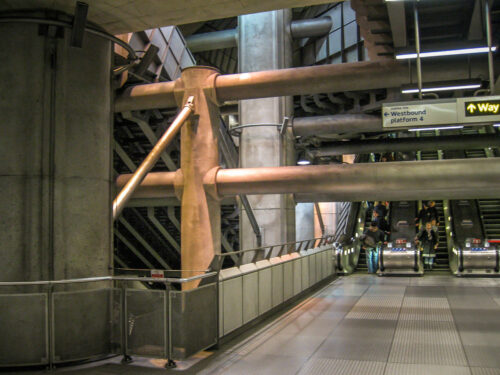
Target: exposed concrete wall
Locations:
point(304, 221)
point(55, 164)
point(265, 43)
point(329, 215)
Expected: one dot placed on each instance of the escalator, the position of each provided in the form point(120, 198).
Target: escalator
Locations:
point(490, 217)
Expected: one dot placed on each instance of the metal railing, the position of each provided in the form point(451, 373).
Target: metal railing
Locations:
point(47, 326)
point(57, 321)
point(267, 252)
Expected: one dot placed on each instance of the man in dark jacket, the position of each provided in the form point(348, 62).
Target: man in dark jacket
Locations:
point(382, 224)
point(370, 241)
point(428, 241)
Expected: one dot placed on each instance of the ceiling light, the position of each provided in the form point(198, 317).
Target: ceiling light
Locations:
point(303, 162)
point(452, 52)
point(438, 128)
point(496, 125)
point(443, 88)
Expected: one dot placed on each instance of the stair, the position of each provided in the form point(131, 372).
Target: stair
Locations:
point(362, 255)
point(490, 216)
point(441, 261)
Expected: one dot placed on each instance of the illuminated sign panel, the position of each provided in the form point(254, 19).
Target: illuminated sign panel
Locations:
point(425, 113)
point(482, 108)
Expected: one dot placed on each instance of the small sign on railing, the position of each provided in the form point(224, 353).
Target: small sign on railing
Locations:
point(157, 274)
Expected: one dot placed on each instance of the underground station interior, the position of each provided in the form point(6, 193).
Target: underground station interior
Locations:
point(250, 187)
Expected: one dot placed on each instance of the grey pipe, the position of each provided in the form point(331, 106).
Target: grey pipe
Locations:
point(229, 38)
point(313, 27)
point(453, 142)
point(335, 124)
point(213, 40)
point(491, 72)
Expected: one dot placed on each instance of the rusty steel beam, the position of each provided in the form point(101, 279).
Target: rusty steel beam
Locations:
point(358, 76)
point(439, 179)
point(126, 192)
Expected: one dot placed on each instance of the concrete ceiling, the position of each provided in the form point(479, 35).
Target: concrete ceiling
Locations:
point(122, 16)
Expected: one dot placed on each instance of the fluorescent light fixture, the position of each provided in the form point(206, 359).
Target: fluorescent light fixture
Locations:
point(451, 52)
point(444, 88)
point(437, 128)
point(303, 162)
point(496, 125)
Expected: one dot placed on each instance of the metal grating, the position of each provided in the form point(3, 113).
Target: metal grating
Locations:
point(431, 309)
point(376, 307)
point(485, 371)
point(427, 342)
point(324, 366)
point(417, 369)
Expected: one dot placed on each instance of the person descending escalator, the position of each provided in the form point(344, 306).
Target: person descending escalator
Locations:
point(424, 215)
point(432, 215)
point(382, 224)
point(427, 239)
point(381, 209)
point(371, 240)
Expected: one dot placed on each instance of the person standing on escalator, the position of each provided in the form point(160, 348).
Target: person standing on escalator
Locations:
point(432, 215)
point(382, 223)
point(428, 241)
point(370, 242)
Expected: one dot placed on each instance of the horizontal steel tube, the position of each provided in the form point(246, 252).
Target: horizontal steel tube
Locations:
point(458, 142)
point(358, 76)
point(311, 28)
point(212, 40)
point(229, 38)
point(440, 179)
point(335, 124)
point(148, 96)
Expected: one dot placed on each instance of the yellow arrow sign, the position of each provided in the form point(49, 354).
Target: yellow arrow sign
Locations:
point(471, 108)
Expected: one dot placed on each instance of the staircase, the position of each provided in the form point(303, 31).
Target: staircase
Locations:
point(490, 216)
point(362, 254)
point(441, 261)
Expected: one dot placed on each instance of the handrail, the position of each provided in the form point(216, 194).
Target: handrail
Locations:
point(110, 278)
point(273, 246)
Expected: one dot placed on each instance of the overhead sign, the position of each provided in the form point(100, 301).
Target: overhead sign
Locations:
point(424, 113)
point(414, 114)
point(482, 108)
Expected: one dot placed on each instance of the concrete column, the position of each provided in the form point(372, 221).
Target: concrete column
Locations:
point(304, 221)
point(329, 215)
point(265, 44)
point(200, 210)
point(55, 164)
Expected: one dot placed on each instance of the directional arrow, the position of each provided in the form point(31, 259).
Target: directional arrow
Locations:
point(471, 108)
point(386, 114)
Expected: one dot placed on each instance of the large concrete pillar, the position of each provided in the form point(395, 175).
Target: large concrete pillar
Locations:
point(55, 164)
point(265, 44)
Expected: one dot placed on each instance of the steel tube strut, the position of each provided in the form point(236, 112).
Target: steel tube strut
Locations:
point(148, 163)
point(440, 179)
point(453, 142)
point(358, 76)
point(229, 38)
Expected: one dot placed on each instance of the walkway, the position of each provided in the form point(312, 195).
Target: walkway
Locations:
point(363, 324)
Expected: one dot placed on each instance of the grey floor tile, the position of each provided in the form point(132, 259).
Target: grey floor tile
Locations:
point(376, 307)
point(290, 345)
point(485, 371)
point(421, 308)
point(324, 366)
point(265, 364)
point(365, 350)
point(426, 291)
point(483, 356)
point(419, 369)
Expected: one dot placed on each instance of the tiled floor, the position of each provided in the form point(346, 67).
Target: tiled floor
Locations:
point(363, 324)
